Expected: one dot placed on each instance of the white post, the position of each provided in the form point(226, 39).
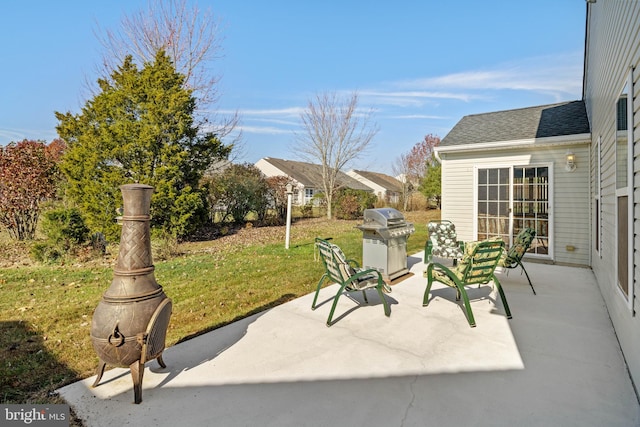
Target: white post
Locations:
point(288, 233)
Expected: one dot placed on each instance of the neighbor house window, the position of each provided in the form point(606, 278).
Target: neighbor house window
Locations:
point(308, 195)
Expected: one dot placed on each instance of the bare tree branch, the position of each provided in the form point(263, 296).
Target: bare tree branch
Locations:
point(192, 39)
point(335, 133)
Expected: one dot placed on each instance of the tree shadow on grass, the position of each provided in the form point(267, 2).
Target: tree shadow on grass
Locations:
point(29, 373)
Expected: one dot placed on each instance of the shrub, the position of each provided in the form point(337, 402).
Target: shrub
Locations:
point(65, 227)
point(66, 233)
point(350, 204)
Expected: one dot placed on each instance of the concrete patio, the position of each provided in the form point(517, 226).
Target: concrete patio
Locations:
point(556, 363)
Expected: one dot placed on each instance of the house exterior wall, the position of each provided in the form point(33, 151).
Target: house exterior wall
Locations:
point(569, 205)
point(378, 190)
point(270, 170)
point(613, 50)
point(382, 193)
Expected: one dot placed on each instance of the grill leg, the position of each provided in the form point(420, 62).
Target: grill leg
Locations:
point(137, 372)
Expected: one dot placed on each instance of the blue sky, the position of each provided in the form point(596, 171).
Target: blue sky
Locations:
point(419, 65)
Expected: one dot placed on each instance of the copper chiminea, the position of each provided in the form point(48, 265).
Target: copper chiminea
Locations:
point(130, 323)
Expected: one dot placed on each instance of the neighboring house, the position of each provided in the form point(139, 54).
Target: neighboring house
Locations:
point(385, 187)
point(570, 170)
point(507, 170)
point(307, 177)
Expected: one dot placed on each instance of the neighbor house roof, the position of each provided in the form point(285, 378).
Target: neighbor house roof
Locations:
point(310, 175)
point(385, 181)
point(566, 118)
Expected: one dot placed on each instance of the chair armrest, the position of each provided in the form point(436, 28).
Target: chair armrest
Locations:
point(362, 273)
point(353, 263)
point(442, 268)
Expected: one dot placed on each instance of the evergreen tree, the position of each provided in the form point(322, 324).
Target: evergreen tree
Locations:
point(139, 128)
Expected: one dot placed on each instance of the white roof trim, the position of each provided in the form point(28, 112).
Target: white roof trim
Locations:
point(582, 138)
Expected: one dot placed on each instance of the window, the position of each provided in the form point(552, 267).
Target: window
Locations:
point(510, 199)
point(531, 205)
point(308, 195)
point(597, 205)
point(624, 204)
point(493, 204)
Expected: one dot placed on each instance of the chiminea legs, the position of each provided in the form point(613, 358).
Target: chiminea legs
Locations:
point(99, 373)
point(137, 373)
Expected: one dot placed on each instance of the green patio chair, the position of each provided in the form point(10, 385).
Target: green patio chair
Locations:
point(348, 275)
point(477, 267)
point(443, 242)
point(513, 257)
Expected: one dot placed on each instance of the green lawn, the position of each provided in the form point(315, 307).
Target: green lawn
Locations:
point(46, 311)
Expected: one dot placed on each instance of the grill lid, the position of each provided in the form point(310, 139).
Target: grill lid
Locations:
point(383, 217)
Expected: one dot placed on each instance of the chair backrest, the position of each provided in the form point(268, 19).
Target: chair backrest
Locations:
point(520, 246)
point(479, 261)
point(443, 234)
point(334, 260)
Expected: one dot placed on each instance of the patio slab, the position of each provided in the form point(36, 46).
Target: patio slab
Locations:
point(556, 363)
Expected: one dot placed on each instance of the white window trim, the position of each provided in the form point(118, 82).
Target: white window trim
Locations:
point(628, 298)
point(511, 166)
point(597, 196)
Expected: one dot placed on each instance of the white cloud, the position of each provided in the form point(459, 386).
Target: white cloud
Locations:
point(556, 75)
point(285, 112)
point(418, 117)
point(8, 135)
point(265, 130)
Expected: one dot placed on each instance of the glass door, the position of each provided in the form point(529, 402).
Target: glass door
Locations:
point(531, 205)
point(527, 192)
point(493, 204)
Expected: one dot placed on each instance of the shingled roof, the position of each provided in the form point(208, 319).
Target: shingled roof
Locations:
point(566, 118)
point(310, 175)
point(384, 181)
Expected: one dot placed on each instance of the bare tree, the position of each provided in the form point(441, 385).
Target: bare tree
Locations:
point(334, 133)
point(192, 39)
point(414, 165)
point(402, 171)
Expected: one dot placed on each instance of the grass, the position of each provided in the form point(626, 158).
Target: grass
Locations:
point(46, 311)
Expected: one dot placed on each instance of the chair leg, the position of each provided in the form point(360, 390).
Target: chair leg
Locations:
point(527, 274)
point(364, 295)
point(425, 298)
point(387, 311)
point(315, 298)
point(335, 303)
point(467, 305)
point(502, 297)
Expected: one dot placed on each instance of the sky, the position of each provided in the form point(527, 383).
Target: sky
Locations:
point(419, 66)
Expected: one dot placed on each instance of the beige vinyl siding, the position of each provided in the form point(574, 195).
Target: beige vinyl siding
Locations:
point(613, 49)
point(569, 206)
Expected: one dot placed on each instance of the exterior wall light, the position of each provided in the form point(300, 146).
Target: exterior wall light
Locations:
point(571, 162)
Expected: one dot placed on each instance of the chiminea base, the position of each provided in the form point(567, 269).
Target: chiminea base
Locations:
point(137, 373)
point(151, 343)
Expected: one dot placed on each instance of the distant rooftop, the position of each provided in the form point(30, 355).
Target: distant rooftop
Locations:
point(385, 181)
point(310, 175)
point(543, 121)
